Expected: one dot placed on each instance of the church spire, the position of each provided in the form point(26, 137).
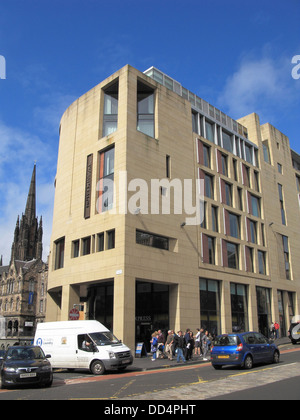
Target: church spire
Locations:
point(27, 244)
point(31, 199)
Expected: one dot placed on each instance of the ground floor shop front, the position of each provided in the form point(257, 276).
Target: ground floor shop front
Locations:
point(134, 310)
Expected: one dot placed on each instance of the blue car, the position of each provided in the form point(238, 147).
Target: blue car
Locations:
point(243, 349)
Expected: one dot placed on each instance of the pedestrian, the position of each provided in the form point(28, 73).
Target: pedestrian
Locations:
point(153, 343)
point(180, 347)
point(272, 330)
point(205, 345)
point(160, 345)
point(276, 326)
point(197, 343)
point(201, 336)
point(168, 345)
point(190, 346)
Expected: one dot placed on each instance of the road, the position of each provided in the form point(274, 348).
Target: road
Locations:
point(176, 384)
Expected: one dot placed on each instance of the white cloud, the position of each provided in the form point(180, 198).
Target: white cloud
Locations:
point(262, 85)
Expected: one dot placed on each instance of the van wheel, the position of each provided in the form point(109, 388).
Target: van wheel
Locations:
point(97, 367)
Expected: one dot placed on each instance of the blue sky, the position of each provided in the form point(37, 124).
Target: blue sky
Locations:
point(235, 55)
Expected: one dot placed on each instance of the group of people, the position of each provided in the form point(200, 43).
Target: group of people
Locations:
point(183, 346)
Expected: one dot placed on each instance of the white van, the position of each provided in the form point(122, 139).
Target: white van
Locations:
point(82, 345)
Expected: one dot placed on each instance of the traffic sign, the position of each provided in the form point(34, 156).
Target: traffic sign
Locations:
point(74, 314)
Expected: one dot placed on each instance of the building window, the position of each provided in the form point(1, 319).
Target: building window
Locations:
point(75, 249)
point(224, 159)
point(111, 239)
point(209, 131)
point(262, 263)
point(249, 259)
point(152, 240)
point(209, 186)
point(234, 225)
point(214, 219)
point(266, 151)
point(227, 141)
point(59, 253)
point(252, 233)
point(168, 166)
point(210, 306)
point(110, 114)
point(145, 109)
point(280, 192)
point(105, 185)
point(286, 253)
point(239, 307)
point(100, 242)
point(240, 198)
point(86, 245)
point(228, 194)
point(231, 255)
point(206, 156)
point(254, 205)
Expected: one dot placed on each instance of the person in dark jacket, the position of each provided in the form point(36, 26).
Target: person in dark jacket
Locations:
point(180, 346)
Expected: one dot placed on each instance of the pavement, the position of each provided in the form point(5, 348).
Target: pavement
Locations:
point(145, 363)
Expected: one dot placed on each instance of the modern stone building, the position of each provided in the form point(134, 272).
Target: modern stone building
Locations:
point(136, 154)
point(23, 283)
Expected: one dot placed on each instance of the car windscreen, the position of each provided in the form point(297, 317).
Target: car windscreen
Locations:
point(104, 338)
point(227, 340)
point(31, 353)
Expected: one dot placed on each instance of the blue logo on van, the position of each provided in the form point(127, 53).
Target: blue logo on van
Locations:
point(39, 342)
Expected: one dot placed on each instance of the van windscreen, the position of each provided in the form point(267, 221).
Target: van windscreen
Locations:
point(104, 338)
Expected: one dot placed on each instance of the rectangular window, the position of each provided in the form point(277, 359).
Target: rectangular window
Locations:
point(234, 225)
point(211, 249)
point(227, 141)
point(266, 151)
point(209, 131)
point(75, 249)
point(240, 198)
point(286, 253)
point(262, 262)
point(255, 206)
point(249, 259)
point(105, 186)
point(152, 240)
point(252, 231)
point(214, 219)
point(111, 239)
point(280, 192)
point(209, 186)
point(100, 242)
point(224, 165)
point(232, 255)
point(168, 166)
point(249, 155)
point(228, 194)
point(59, 253)
point(86, 246)
point(206, 156)
point(145, 109)
point(210, 315)
point(239, 307)
point(110, 114)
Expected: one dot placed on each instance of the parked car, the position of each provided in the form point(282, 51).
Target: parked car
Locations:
point(294, 331)
point(243, 349)
point(23, 365)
